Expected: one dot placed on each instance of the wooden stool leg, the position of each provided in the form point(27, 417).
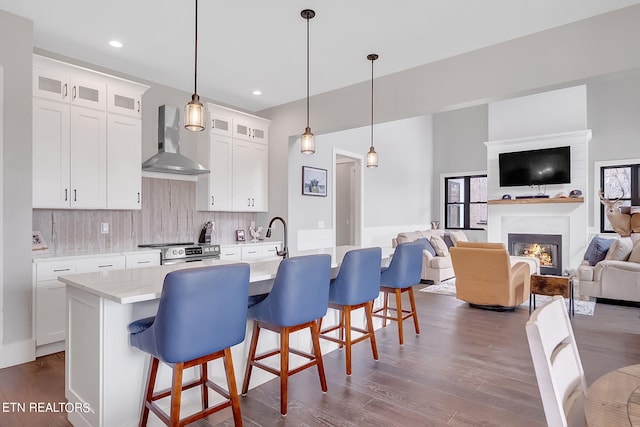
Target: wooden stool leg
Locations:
point(233, 389)
point(176, 395)
point(385, 306)
point(205, 389)
point(341, 327)
point(412, 301)
point(399, 314)
point(148, 393)
point(347, 331)
point(251, 357)
point(318, 353)
point(284, 368)
point(368, 309)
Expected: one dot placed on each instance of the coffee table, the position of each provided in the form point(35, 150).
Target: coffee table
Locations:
point(547, 284)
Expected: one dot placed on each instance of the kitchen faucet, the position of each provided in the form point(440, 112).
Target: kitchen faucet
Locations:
point(284, 253)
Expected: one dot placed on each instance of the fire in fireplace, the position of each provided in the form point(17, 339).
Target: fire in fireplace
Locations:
point(546, 247)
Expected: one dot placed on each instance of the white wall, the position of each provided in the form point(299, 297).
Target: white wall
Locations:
point(16, 44)
point(396, 193)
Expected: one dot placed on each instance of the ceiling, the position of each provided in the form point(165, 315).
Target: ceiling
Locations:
point(256, 44)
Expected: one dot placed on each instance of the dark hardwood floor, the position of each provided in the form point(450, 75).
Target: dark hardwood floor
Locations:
point(468, 367)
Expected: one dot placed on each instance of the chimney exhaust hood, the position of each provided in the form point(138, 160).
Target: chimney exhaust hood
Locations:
point(169, 159)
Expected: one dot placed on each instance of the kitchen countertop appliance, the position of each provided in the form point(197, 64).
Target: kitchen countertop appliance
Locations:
point(174, 253)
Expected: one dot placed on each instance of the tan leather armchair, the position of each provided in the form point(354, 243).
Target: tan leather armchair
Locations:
point(486, 278)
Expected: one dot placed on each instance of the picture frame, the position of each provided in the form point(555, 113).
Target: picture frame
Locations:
point(314, 181)
point(239, 235)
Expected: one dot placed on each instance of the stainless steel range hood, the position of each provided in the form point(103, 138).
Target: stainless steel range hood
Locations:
point(169, 159)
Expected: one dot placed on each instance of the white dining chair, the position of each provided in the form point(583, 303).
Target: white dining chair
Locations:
point(557, 364)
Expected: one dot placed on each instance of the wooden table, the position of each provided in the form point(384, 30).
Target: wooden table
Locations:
point(614, 399)
point(545, 284)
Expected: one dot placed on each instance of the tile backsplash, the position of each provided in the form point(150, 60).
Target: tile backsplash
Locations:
point(168, 215)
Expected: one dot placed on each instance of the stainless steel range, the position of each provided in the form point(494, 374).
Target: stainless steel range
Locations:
point(174, 253)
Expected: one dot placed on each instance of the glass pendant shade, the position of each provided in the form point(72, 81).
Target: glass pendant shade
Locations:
point(194, 114)
point(307, 142)
point(372, 158)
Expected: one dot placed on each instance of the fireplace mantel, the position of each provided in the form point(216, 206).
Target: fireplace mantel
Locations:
point(536, 200)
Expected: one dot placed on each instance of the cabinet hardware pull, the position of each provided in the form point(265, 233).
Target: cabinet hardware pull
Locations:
point(138, 106)
point(144, 262)
point(252, 200)
point(58, 270)
point(212, 200)
point(138, 197)
point(248, 201)
point(75, 195)
point(73, 92)
point(64, 91)
point(105, 265)
point(66, 195)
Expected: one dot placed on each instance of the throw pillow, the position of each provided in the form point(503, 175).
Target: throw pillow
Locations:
point(597, 250)
point(447, 240)
point(620, 249)
point(635, 254)
point(426, 245)
point(440, 246)
point(458, 236)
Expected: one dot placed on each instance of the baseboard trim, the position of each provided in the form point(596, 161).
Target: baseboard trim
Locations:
point(17, 353)
point(54, 347)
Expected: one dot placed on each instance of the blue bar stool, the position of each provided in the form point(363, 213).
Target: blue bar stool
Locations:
point(403, 272)
point(299, 297)
point(356, 286)
point(202, 313)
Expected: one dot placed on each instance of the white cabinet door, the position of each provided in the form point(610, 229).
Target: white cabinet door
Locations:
point(51, 154)
point(88, 91)
point(51, 83)
point(221, 122)
point(213, 190)
point(88, 158)
point(250, 175)
point(250, 129)
point(90, 265)
point(50, 312)
point(124, 159)
point(123, 99)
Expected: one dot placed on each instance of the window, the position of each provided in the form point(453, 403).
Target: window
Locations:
point(619, 181)
point(466, 202)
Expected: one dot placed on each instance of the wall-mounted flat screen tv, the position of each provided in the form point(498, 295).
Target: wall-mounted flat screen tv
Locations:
point(535, 167)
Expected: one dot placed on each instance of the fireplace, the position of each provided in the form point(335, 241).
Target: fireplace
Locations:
point(546, 247)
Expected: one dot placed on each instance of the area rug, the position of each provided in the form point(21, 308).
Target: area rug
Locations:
point(582, 305)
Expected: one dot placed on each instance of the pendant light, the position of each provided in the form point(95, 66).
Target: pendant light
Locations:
point(307, 143)
point(194, 110)
point(372, 156)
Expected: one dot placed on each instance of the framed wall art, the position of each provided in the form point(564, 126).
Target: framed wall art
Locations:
point(314, 181)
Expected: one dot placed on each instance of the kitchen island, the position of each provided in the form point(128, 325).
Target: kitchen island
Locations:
point(105, 376)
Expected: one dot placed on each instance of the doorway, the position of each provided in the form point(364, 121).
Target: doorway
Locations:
point(347, 205)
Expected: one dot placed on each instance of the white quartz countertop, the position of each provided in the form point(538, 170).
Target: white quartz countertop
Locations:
point(145, 284)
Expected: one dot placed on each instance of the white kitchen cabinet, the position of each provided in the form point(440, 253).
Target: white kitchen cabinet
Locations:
point(250, 251)
point(250, 176)
point(88, 159)
point(124, 157)
point(139, 260)
point(213, 190)
point(69, 156)
point(124, 98)
point(251, 128)
point(53, 80)
point(237, 154)
point(84, 149)
point(231, 253)
point(50, 294)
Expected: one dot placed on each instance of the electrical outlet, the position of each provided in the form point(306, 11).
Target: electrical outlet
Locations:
point(104, 227)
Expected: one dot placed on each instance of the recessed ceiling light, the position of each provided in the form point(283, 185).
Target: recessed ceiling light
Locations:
point(115, 43)
point(257, 92)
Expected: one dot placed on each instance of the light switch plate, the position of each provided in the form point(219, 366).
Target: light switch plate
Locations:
point(104, 227)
